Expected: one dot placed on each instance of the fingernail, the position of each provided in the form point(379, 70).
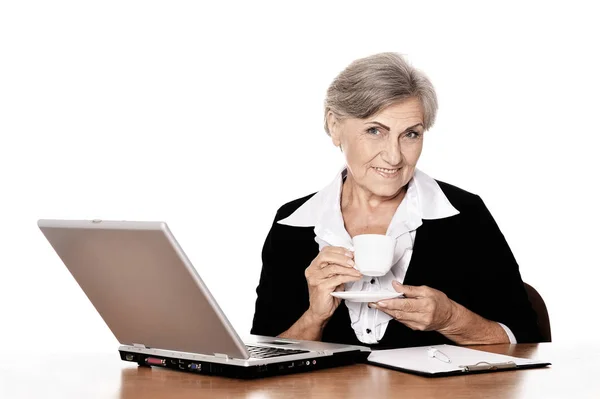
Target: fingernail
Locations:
point(349, 254)
point(381, 304)
point(373, 305)
point(350, 262)
point(396, 283)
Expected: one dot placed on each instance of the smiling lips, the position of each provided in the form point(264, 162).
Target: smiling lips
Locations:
point(387, 172)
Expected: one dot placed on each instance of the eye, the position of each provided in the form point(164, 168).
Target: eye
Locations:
point(413, 135)
point(373, 131)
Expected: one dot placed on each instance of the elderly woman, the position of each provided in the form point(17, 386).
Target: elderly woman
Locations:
point(460, 281)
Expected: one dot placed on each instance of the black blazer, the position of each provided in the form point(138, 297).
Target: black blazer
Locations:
point(465, 256)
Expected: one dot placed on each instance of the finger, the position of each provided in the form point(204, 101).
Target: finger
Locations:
point(410, 291)
point(338, 250)
point(404, 305)
point(334, 269)
point(333, 282)
point(339, 259)
point(399, 315)
point(325, 259)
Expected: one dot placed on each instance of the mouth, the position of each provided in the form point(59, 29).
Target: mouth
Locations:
point(388, 173)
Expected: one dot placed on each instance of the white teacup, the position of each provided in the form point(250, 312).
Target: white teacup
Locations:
point(373, 254)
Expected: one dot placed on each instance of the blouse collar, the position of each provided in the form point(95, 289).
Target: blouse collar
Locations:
point(424, 199)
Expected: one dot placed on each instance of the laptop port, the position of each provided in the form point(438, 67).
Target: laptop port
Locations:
point(155, 361)
point(195, 367)
point(129, 357)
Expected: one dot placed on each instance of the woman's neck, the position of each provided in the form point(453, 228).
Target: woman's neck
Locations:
point(356, 197)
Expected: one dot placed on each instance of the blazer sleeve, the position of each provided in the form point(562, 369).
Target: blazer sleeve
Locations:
point(499, 293)
point(274, 311)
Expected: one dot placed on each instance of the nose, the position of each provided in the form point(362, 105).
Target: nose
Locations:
point(392, 153)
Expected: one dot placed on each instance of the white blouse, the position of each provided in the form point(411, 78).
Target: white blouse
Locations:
point(424, 199)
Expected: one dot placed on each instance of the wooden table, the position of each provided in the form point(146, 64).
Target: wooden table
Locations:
point(574, 374)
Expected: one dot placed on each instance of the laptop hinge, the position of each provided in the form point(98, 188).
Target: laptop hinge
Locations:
point(139, 346)
point(222, 356)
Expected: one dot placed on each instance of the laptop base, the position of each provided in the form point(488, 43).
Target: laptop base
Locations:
point(250, 372)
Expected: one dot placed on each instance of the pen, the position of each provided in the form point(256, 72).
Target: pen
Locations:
point(437, 354)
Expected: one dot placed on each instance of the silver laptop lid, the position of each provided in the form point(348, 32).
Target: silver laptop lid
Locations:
point(143, 285)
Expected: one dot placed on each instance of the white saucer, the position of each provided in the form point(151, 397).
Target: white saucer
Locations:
point(366, 296)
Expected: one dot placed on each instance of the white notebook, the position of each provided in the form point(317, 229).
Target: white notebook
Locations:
point(442, 360)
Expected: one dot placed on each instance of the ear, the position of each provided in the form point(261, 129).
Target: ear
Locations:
point(333, 124)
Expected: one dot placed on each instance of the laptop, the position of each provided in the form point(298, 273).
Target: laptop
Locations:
point(153, 300)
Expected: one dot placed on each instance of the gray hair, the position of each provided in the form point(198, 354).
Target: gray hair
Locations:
point(370, 84)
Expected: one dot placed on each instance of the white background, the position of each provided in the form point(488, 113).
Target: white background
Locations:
point(209, 116)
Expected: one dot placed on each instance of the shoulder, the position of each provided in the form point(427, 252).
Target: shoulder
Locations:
point(473, 219)
point(288, 208)
point(462, 200)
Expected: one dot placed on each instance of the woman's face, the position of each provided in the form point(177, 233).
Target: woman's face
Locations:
point(382, 151)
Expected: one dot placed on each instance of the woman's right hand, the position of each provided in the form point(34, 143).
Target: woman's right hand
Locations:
point(327, 273)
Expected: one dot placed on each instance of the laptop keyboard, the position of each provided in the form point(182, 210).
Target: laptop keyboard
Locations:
point(263, 352)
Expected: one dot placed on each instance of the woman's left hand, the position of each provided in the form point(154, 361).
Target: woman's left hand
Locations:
point(422, 308)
